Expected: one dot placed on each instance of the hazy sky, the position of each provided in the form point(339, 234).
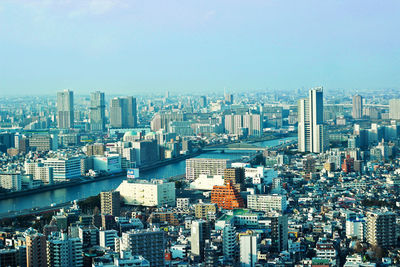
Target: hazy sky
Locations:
point(132, 46)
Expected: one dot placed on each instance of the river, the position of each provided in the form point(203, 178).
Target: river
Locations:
point(62, 195)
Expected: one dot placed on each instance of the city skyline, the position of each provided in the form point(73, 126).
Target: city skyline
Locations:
point(186, 47)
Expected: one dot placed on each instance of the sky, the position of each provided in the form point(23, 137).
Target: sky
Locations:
point(136, 46)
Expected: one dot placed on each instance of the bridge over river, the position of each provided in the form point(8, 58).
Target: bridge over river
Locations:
point(251, 146)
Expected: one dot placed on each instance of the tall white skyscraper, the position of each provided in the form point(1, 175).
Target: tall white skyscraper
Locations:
point(97, 115)
point(394, 109)
point(357, 107)
point(311, 133)
point(65, 109)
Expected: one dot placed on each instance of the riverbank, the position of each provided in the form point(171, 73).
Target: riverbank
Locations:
point(86, 180)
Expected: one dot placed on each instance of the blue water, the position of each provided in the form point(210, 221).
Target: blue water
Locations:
point(44, 199)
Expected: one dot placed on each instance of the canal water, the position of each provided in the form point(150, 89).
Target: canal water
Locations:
point(62, 195)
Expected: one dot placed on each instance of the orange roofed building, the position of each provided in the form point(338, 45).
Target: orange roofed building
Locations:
point(226, 196)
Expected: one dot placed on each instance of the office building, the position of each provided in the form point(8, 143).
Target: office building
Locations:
point(394, 109)
point(110, 203)
point(357, 107)
point(248, 250)
point(64, 169)
point(149, 244)
point(312, 136)
point(267, 202)
point(146, 152)
point(197, 166)
point(65, 109)
point(97, 111)
point(199, 233)
point(63, 251)
point(227, 197)
point(41, 142)
point(381, 229)
point(35, 249)
point(154, 193)
point(123, 112)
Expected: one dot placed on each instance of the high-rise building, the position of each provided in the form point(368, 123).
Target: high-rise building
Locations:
point(247, 124)
point(236, 176)
point(35, 249)
point(200, 232)
point(63, 251)
point(357, 107)
point(312, 136)
point(228, 98)
point(394, 109)
point(229, 243)
point(227, 197)
point(248, 250)
point(197, 166)
point(252, 123)
point(381, 229)
point(203, 101)
point(65, 109)
point(110, 203)
point(97, 115)
point(147, 243)
point(279, 230)
point(123, 112)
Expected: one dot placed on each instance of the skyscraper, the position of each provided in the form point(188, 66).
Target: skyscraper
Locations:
point(394, 109)
point(97, 115)
point(123, 112)
point(65, 109)
point(357, 107)
point(311, 132)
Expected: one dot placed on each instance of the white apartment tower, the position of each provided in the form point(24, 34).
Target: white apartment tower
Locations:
point(311, 133)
